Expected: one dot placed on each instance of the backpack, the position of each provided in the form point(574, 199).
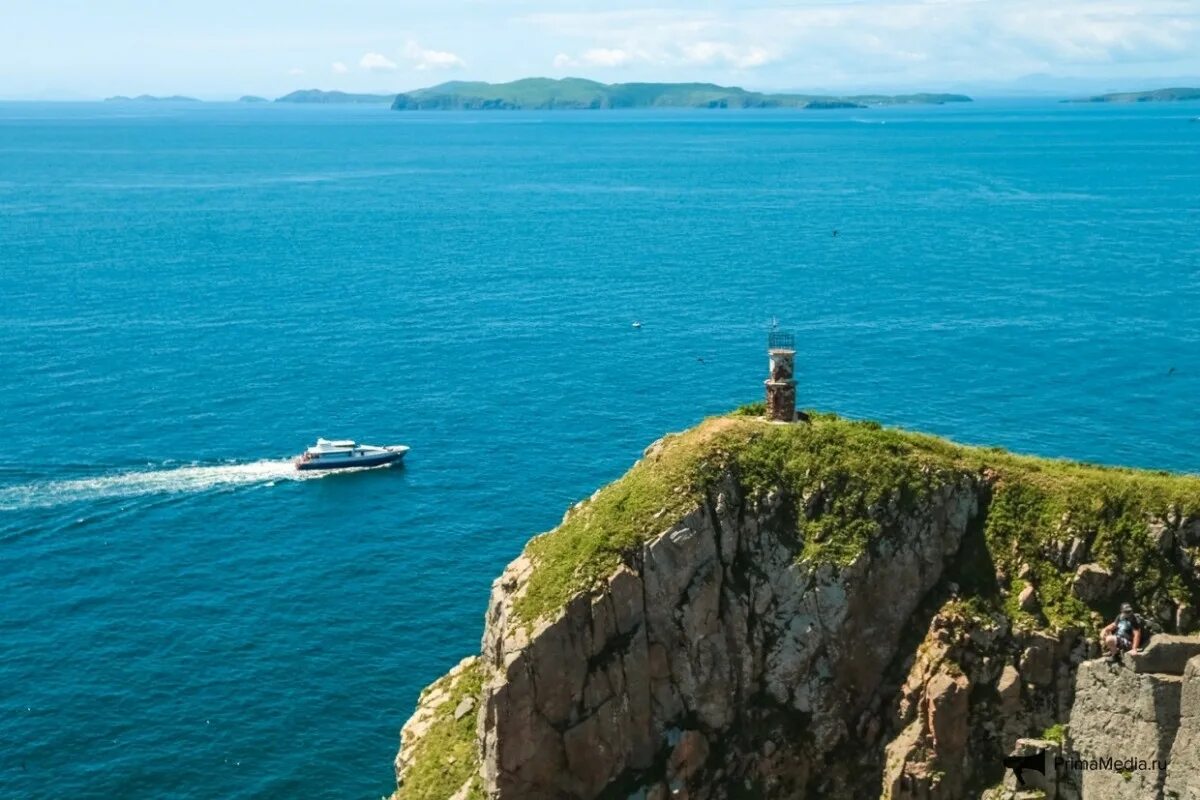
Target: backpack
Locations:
point(1139, 623)
point(1148, 627)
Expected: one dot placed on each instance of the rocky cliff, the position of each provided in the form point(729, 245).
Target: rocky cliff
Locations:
point(825, 609)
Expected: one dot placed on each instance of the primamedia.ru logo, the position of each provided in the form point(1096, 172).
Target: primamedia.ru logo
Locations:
point(1040, 761)
point(1110, 763)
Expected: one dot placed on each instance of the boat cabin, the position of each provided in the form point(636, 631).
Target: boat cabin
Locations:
point(332, 447)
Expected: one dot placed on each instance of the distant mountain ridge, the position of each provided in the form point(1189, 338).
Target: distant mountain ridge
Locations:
point(1151, 96)
point(320, 96)
point(579, 93)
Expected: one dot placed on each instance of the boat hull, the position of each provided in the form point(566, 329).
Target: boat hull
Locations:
point(379, 460)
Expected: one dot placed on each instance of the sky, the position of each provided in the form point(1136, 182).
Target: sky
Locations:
point(214, 49)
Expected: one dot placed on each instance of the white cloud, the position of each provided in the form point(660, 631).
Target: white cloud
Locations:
point(295, 71)
point(606, 57)
point(702, 53)
point(660, 38)
point(418, 57)
point(724, 54)
point(339, 68)
point(596, 57)
point(424, 59)
point(375, 62)
point(888, 41)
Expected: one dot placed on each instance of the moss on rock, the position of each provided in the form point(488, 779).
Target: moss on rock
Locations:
point(444, 755)
point(847, 478)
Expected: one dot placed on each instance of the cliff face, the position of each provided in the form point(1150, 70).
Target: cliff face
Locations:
point(709, 645)
point(815, 610)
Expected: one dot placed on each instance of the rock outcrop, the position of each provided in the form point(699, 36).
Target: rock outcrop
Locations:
point(824, 610)
point(1132, 733)
point(1183, 770)
point(1130, 718)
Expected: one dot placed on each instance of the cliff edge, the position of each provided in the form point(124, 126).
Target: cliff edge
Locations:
point(830, 609)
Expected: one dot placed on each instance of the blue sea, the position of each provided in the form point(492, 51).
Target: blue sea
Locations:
point(190, 294)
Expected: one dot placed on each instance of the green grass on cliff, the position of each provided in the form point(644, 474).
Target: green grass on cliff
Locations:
point(843, 478)
point(589, 543)
point(844, 470)
point(1039, 507)
point(446, 756)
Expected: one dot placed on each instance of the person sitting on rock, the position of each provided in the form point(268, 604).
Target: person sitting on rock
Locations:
point(1122, 634)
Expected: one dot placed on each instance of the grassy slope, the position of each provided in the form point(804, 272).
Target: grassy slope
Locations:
point(580, 93)
point(1037, 504)
point(446, 755)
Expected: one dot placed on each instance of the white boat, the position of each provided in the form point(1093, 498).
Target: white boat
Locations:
point(348, 454)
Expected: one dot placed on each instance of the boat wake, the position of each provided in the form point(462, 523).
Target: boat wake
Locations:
point(178, 480)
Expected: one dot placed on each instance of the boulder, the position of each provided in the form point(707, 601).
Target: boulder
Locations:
point(1166, 653)
point(1185, 615)
point(1027, 599)
point(465, 706)
point(1037, 660)
point(1009, 690)
point(1093, 583)
point(948, 699)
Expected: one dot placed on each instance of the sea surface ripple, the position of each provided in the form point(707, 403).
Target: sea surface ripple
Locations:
point(191, 294)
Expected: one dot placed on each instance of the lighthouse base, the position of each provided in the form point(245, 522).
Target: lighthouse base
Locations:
point(781, 401)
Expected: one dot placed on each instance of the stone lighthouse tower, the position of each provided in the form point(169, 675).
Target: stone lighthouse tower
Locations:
point(780, 382)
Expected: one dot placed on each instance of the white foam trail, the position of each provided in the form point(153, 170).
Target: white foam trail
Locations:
point(46, 494)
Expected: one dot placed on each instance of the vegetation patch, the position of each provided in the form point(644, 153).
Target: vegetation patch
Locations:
point(651, 497)
point(1040, 508)
point(848, 478)
point(1055, 733)
point(446, 757)
point(847, 481)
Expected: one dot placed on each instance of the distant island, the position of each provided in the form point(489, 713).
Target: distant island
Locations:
point(149, 98)
point(1152, 96)
point(252, 98)
point(319, 96)
point(578, 93)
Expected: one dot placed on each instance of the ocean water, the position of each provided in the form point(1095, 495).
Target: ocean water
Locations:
point(191, 294)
